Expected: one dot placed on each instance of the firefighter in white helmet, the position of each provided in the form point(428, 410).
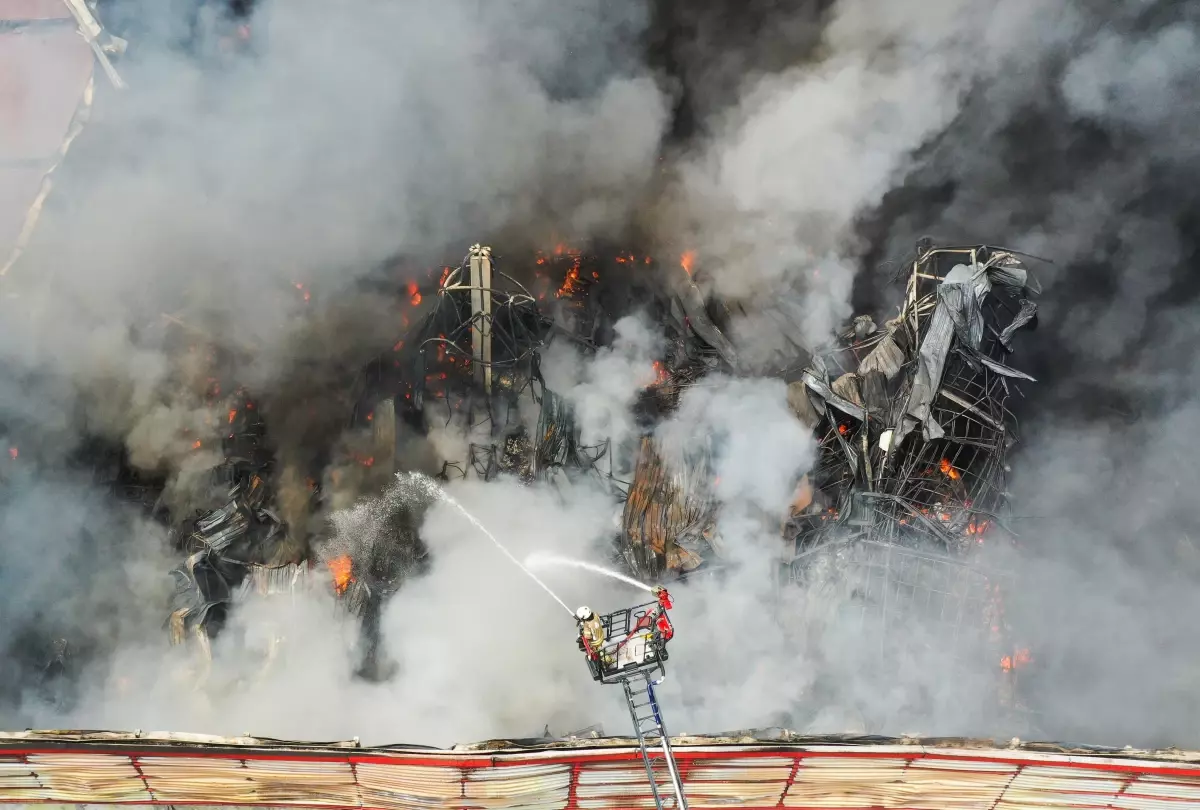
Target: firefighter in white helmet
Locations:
point(591, 631)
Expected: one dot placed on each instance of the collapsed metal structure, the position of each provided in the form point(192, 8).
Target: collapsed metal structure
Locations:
point(914, 425)
point(912, 419)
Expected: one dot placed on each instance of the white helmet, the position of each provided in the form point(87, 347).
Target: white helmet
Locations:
point(583, 614)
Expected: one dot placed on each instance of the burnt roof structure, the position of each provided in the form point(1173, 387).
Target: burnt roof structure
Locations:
point(915, 426)
point(912, 418)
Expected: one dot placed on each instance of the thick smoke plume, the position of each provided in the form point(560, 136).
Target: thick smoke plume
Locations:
point(795, 159)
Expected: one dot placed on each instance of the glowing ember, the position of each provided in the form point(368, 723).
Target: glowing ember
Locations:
point(948, 469)
point(14, 453)
point(307, 294)
point(661, 374)
point(688, 261)
point(842, 429)
point(1015, 661)
point(196, 445)
point(340, 568)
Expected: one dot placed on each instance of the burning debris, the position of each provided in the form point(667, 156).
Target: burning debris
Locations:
point(910, 486)
point(911, 417)
point(467, 360)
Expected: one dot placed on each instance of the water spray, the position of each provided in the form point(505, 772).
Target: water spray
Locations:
point(429, 486)
point(541, 559)
point(627, 647)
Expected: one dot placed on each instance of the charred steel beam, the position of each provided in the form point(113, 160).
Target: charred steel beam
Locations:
point(481, 314)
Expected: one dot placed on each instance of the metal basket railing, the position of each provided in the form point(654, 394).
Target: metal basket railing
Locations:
point(631, 642)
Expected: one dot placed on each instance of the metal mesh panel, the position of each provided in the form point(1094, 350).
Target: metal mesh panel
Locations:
point(893, 597)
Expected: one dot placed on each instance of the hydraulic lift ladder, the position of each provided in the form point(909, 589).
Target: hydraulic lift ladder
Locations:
point(648, 724)
point(629, 647)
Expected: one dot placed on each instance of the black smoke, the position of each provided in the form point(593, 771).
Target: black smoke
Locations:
point(220, 183)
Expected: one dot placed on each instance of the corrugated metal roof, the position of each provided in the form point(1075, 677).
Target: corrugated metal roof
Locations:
point(835, 773)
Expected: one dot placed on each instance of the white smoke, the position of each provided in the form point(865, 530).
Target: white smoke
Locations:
point(367, 128)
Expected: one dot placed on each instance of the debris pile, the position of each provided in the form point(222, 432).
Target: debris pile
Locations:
point(914, 426)
point(911, 418)
point(238, 545)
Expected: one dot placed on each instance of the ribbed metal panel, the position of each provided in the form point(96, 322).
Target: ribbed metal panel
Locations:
point(844, 782)
point(174, 770)
point(88, 778)
point(1054, 787)
point(756, 782)
point(1153, 792)
point(403, 786)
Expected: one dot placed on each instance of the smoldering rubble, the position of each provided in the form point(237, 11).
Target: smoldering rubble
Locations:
point(878, 472)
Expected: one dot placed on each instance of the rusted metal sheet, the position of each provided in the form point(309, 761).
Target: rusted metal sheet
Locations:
point(173, 769)
point(669, 511)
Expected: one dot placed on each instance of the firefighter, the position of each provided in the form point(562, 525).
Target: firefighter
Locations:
point(591, 631)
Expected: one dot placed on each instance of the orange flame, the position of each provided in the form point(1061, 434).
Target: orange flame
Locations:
point(14, 453)
point(687, 261)
point(571, 282)
point(1015, 661)
point(232, 415)
point(842, 429)
point(948, 469)
point(196, 444)
point(340, 568)
point(413, 294)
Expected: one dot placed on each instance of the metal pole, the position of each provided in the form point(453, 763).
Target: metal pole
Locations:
point(481, 314)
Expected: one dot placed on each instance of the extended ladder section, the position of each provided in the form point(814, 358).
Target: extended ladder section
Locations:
point(650, 730)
